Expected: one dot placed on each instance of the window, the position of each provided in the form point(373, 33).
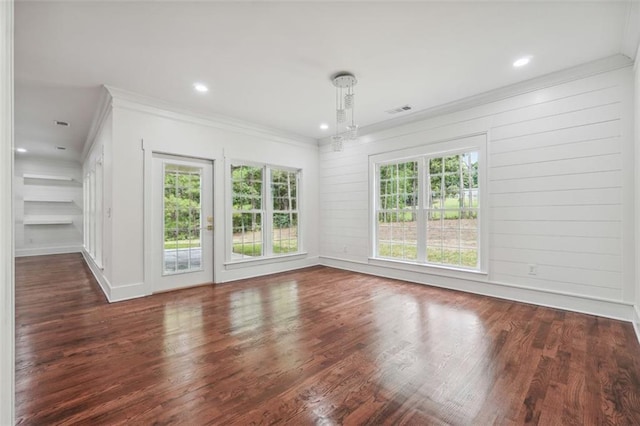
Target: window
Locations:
point(263, 229)
point(397, 210)
point(247, 213)
point(427, 205)
point(284, 187)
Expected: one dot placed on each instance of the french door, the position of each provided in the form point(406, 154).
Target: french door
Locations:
point(182, 192)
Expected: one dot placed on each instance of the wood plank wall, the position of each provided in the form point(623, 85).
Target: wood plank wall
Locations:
point(559, 183)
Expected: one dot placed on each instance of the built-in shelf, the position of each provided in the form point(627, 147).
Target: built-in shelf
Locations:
point(46, 177)
point(46, 200)
point(47, 220)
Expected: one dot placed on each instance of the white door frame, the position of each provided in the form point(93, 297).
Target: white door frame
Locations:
point(204, 274)
point(148, 204)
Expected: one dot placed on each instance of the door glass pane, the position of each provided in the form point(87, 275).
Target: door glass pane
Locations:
point(182, 219)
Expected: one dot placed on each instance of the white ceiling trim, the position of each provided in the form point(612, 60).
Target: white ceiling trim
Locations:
point(610, 63)
point(135, 102)
point(104, 107)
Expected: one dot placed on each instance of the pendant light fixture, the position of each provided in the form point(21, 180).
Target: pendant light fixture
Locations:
point(346, 128)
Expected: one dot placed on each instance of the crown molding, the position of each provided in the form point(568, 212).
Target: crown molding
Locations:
point(103, 109)
point(141, 103)
point(610, 63)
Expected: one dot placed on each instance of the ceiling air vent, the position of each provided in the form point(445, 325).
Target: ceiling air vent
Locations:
point(61, 148)
point(60, 123)
point(403, 108)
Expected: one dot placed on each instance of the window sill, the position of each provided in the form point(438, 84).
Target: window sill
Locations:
point(237, 264)
point(444, 271)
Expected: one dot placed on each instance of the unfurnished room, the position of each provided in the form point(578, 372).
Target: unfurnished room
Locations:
point(310, 212)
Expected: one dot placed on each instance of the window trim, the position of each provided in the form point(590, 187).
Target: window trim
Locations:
point(473, 142)
point(92, 211)
point(267, 212)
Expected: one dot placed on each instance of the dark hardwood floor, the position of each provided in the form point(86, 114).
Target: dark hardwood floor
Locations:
point(316, 346)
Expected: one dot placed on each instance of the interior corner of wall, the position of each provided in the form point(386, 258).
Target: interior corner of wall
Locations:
point(636, 320)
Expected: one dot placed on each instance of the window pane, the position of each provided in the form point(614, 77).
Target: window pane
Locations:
point(398, 197)
point(469, 198)
point(285, 233)
point(284, 190)
point(247, 235)
point(452, 164)
point(246, 187)
point(469, 257)
point(452, 210)
point(434, 232)
point(435, 166)
point(434, 182)
point(398, 186)
point(397, 235)
point(246, 183)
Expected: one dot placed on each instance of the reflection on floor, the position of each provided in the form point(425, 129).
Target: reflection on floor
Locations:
point(313, 346)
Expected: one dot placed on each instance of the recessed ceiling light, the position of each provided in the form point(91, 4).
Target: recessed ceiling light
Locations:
point(21, 150)
point(324, 126)
point(522, 61)
point(200, 87)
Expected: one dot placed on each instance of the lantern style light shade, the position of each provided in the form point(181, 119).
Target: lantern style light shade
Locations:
point(337, 143)
point(352, 132)
point(345, 110)
point(348, 100)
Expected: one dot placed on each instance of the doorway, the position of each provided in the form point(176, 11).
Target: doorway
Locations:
point(182, 220)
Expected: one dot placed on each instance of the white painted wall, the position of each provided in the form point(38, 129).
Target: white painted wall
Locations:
point(99, 155)
point(7, 320)
point(47, 239)
point(187, 135)
point(561, 191)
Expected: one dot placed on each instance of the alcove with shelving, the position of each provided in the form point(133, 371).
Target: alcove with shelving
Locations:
point(48, 206)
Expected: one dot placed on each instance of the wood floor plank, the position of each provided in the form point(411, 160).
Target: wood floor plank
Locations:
point(314, 346)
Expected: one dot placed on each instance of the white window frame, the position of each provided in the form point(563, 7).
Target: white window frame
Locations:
point(266, 211)
point(475, 142)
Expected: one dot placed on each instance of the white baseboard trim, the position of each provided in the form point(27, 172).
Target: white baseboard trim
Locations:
point(127, 292)
point(99, 276)
point(636, 321)
point(41, 251)
point(133, 291)
point(586, 305)
point(113, 294)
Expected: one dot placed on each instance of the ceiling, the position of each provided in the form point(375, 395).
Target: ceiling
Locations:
point(270, 63)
